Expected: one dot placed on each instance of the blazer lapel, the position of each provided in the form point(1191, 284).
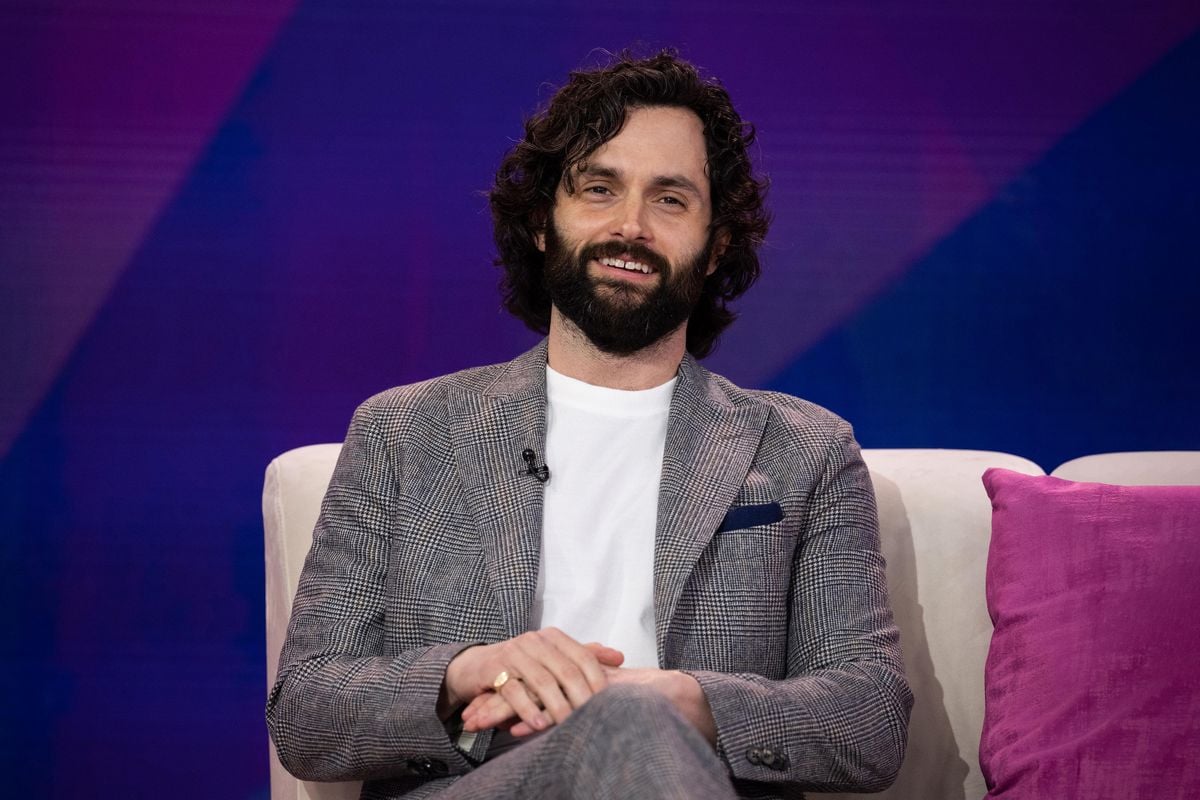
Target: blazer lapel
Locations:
point(709, 449)
point(489, 431)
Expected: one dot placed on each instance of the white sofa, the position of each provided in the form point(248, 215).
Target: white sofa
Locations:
point(935, 521)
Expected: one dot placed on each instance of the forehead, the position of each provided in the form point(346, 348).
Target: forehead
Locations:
point(656, 141)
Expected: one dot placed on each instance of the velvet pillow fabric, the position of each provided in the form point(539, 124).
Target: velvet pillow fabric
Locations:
point(1092, 681)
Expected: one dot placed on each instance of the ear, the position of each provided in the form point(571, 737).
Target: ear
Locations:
point(538, 224)
point(720, 244)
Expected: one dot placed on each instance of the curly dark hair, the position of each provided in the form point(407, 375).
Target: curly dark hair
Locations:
point(589, 111)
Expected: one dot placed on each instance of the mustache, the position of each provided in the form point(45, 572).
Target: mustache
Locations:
point(628, 250)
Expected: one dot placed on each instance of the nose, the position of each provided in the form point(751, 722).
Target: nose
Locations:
point(631, 222)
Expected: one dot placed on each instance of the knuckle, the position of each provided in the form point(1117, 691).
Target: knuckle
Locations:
point(543, 685)
point(574, 673)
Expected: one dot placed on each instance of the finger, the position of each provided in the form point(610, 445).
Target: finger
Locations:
point(607, 656)
point(539, 665)
point(517, 700)
point(521, 729)
point(491, 711)
point(574, 665)
point(472, 708)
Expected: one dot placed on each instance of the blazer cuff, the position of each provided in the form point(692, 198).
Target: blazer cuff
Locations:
point(755, 725)
point(420, 688)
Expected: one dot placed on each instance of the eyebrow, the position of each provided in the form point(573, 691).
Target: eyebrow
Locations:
point(662, 181)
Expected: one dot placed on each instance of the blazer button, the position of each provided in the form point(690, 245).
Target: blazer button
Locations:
point(754, 756)
point(427, 767)
point(774, 760)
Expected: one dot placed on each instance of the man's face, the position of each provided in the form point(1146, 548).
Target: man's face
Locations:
point(628, 251)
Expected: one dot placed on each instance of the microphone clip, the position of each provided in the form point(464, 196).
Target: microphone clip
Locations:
point(542, 473)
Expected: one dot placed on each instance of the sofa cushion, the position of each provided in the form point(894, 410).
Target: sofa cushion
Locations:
point(1092, 683)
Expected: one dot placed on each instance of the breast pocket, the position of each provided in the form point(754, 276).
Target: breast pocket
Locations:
point(743, 574)
point(751, 516)
point(754, 533)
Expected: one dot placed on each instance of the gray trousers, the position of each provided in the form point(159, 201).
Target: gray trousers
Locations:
point(627, 742)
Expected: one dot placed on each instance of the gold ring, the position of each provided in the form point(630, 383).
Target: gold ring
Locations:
point(501, 679)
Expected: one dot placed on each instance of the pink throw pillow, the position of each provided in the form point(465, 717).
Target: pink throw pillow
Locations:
point(1093, 676)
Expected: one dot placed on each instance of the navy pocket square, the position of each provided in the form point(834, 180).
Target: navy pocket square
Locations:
point(749, 516)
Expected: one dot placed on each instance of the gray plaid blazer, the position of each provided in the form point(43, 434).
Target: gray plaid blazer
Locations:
point(768, 583)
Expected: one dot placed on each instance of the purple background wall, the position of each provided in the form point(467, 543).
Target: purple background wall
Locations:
point(223, 225)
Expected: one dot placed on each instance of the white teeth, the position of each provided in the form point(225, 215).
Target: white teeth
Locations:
point(633, 266)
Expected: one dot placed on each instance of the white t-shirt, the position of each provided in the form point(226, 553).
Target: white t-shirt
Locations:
point(604, 448)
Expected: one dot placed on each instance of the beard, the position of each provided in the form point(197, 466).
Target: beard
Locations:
point(620, 317)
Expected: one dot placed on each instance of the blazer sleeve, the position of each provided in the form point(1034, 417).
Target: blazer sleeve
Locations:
point(342, 709)
point(839, 720)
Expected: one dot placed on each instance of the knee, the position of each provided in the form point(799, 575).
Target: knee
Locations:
point(604, 732)
point(630, 741)
point(629, 706)
point(632, 696)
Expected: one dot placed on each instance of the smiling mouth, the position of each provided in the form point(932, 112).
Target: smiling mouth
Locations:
point(627, 265)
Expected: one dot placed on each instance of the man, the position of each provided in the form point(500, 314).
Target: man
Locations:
point(599, 570)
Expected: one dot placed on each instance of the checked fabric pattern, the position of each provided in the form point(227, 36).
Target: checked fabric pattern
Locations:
point(428, 541)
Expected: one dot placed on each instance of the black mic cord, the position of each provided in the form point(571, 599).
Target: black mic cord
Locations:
point(542, 473)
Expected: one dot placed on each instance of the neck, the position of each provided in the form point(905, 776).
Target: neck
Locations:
point(571, 353)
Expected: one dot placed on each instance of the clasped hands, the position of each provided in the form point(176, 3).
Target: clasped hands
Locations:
point(549, 675)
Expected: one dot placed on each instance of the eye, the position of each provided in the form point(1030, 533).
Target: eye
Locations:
point(672, 200)
point(597, 190)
